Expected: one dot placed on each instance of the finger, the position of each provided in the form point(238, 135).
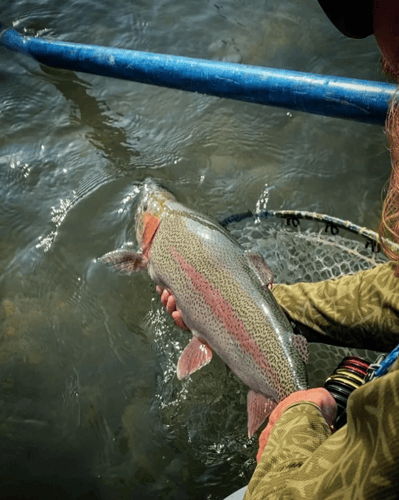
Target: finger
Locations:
point(159, 289)
point(328, 406)
point(171, 304)
point(164, 297)
point(178, 319)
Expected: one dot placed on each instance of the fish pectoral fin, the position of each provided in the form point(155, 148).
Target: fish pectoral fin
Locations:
point(126, 261)
point(263, 271)
point(300, 344)
point(259, 408)
point(196, 355)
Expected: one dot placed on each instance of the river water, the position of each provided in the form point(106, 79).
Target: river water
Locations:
point(90, 406)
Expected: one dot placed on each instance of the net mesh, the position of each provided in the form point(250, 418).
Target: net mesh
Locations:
point(305, 255)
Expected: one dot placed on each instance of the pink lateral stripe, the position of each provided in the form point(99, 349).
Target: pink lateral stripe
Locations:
point(226, 314)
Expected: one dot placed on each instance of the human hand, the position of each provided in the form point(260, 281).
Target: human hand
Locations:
point(320, 396)
point(168, 300)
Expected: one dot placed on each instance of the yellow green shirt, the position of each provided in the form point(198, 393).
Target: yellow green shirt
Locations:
point(303, 461)
point(360, 310)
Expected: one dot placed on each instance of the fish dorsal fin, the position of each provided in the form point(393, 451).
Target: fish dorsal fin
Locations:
point(196, 355)
point(300, 344)
point(262, 270)
point(259, 408)
point(125, 261)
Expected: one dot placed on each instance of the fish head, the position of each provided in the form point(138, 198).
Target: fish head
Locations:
point(153, 205)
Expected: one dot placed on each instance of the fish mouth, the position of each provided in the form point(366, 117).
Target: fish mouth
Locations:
point(152, 200)
point(153, 187)
point(148, 187)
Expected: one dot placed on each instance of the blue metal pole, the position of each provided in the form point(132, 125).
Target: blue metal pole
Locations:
point(360, 100)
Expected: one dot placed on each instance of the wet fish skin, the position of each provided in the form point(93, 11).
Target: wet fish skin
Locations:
point(222, 293)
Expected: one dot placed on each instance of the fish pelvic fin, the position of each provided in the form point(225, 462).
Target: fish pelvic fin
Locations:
point(259, 408)
point(125, 261)
point(196, 355)
point(300, 344)
point(262, 270)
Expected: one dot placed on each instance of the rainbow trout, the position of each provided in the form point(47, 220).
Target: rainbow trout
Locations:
point(222, 292)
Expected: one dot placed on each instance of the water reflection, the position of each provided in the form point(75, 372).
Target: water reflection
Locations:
point(87, 111)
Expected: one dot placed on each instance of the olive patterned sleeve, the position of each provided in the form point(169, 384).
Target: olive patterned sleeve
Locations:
point(359, 310)
point(358, 462)
point(298, 433)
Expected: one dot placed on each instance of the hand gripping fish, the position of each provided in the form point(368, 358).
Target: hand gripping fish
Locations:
point(222, 293)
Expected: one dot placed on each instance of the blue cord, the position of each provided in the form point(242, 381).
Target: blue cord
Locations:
point(388, 362)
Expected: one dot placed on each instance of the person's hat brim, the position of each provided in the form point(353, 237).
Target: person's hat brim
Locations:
point(353, 18)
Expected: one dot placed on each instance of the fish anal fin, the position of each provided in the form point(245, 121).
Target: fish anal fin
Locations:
point(259, 408)
point(259, 265)
point(196, 355)
point(125, 261)
point(300, 344)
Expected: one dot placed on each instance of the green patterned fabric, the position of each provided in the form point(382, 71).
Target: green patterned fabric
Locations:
point(303, 461)
point(360, 310)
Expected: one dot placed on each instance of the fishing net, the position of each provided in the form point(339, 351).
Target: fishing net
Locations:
point(310, 254)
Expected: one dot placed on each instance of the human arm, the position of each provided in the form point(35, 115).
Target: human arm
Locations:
point(319, 397)
point(359, 310)
point(303, 460)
